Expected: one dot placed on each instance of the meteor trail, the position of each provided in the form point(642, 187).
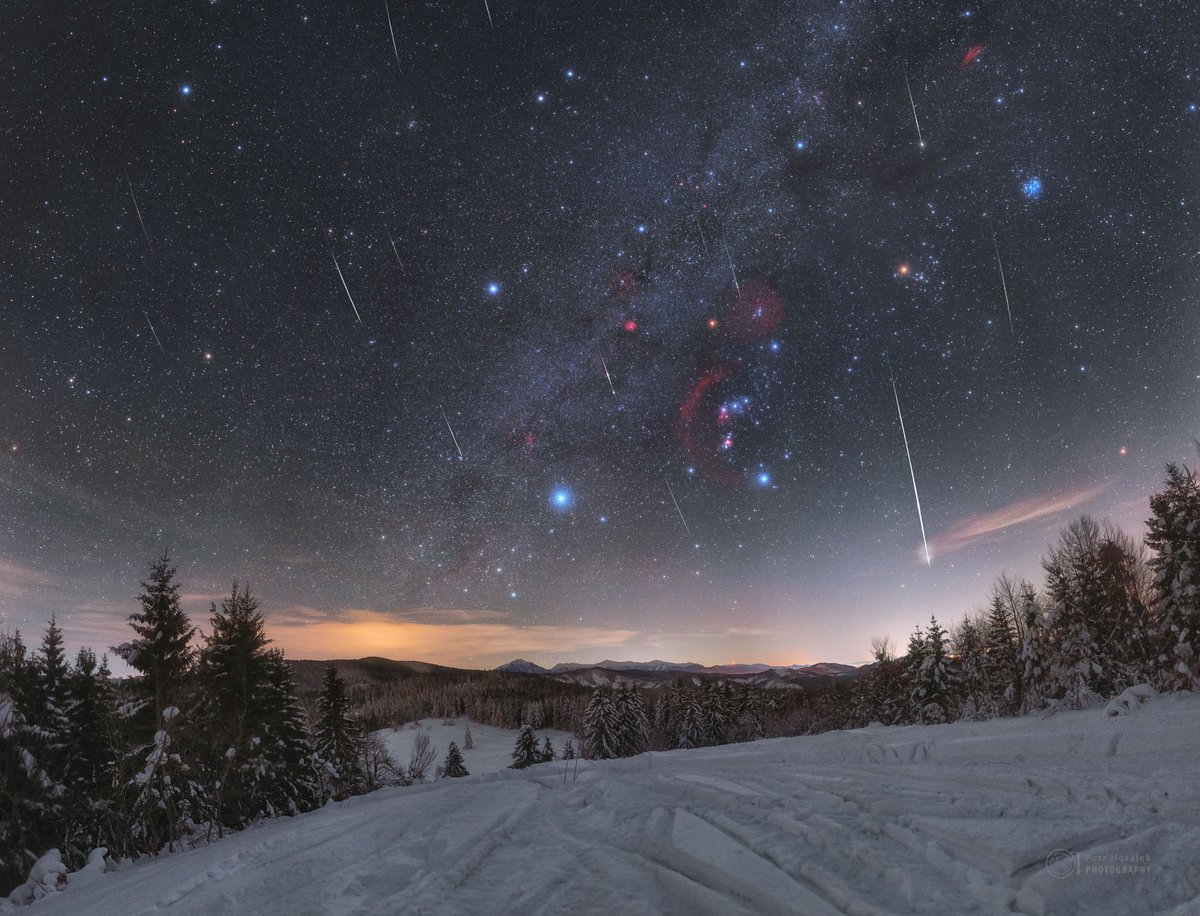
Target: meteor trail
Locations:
point(607, 376)
point(920, 139)
point(1003, 284)
point(392, 32)
point(154, 332)
point(453, 437)
point(916, 495)
point(394, 249)
point(489, 12)
point(136, 208)
point(344, 286)
point(677, 509)
point(700, 226)
point(733, 270)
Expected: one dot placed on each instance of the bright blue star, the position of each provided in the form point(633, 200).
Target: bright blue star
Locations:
point(641, 230)
point(774, 346)
point(185, 89)
point(801, 145)
point(1032, 188)
point(763, 479)
point(493, 289)
point(561, 499)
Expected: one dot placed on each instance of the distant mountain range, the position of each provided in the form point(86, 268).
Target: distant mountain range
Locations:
point(658, 673)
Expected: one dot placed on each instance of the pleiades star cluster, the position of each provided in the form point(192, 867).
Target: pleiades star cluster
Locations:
point(590, 322)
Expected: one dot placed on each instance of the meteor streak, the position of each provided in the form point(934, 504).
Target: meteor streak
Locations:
point(607, 376)
point(677, 509)
point(395, 250)
point(700, 226)
point(920, 139)
point(489, 12)
point(453, 437)
point(154, 332)
point(912, 473)
point(344, 286)
point(1003, 283)
point(732, 269)
point(136, 208)
point(392, 32)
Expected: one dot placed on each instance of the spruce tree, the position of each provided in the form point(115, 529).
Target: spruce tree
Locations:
point(285, 778)
point(339, 741)
point(632, 727)
point(568, 750)
point(931, 693)
point(547, 751)
point(1001, 664)
point(1034, 657)
point(468, 739)
point(525, 750)
point(162, 651)
point(92, 755)
point(600, 739)
point(31, 812)
point(232, 670)
point(1174, 537)
point(453, 766)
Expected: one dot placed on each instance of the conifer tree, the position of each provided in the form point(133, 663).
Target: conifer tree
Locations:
point(91, 761)
point(285, 774)
point(633, 731)
point(601, 736)
point(468, 739)
point(1174, 536)
point(453, 766)
point(30, 800)
point(931, 693)
point(1034, 657)
point(232, 670)
point(339, 740)
point(1001, 665)
point(162, 651)
point(547, 751)
point(568, 750)
point(525, 751)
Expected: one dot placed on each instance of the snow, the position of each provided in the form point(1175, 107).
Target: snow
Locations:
point(493, 746)
point(1075, 813)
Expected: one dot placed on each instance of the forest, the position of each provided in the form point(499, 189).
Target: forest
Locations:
point(213, 734)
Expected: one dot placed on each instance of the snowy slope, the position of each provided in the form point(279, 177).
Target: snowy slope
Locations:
point(493, 746)
point(940, 819)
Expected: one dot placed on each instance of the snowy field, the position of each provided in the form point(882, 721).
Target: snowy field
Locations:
point(493, 746)
point(1076, 813)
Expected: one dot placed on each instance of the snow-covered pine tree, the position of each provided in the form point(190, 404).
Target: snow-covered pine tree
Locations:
point(453, 766)
point(967, 646)
point(91, 766)
point(1073, 587)
point(633, 730)
point(1034, 658)
point(691, 725)
point(525, 750)
point(568, 750)
point(1001, 664)
point(286, 776)
point(338, 739)
point(30, 800)
point(601, 729)
point(48, 711)
point(162, 651)
point(164, 794)
point(232, 669)
point(1174, 537)
point(910, 664)
point(547, 751)
point(468, 739)
point(934, 679)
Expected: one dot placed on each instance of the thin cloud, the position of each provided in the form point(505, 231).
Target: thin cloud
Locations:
point(974, 527)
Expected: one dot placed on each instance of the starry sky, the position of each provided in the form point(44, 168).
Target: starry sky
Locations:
point(463, 331)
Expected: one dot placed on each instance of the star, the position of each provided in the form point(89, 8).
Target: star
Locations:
point(1032, 188)
point(561, 498)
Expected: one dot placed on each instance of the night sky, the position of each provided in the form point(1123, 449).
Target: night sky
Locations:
point(264, 275)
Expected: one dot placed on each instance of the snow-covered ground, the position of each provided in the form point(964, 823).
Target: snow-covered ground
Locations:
point(493, 746)
point(1076, 813)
